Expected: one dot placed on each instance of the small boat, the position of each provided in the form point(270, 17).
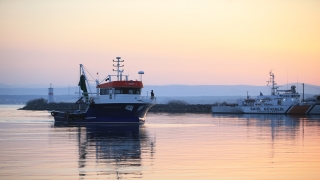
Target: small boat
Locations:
point(118, 101)
point(278, 102)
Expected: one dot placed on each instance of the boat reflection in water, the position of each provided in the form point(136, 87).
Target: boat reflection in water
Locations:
point(288, 125)
point(113, 150)
point(262, 117)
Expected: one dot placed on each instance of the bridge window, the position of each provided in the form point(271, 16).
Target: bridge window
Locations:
point(104, 91)
point(127, 91)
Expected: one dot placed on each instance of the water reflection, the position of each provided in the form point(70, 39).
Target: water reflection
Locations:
point(277, 124)
point(114, 150)
point(279, 119)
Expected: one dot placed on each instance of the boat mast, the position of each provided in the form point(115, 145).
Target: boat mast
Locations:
point(80, 87)
point(273, 88)
point(119, 72)
point(302, 92)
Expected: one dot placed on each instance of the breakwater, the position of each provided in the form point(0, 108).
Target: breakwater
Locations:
point(181, 108)
point(54, 106)
point(173, 106)
point(166, 108)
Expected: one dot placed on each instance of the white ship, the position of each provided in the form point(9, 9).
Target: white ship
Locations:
point(278, 102)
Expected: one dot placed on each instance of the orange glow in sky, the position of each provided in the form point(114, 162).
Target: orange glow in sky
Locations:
point(174, 42)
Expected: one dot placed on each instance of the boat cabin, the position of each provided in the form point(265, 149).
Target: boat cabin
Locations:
point(120, 88)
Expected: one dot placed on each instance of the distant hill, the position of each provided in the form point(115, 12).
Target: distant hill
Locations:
point(222, 90)
point(22, 86)
point(171, 90)
point(192, 94)
point(37, 91)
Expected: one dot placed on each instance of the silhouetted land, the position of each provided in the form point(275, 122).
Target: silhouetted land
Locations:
point(42, 104)
point(188, 108)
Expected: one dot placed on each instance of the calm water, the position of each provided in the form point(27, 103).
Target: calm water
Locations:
point(167, 146)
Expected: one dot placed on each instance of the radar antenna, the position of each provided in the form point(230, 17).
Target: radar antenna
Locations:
point(119, 72)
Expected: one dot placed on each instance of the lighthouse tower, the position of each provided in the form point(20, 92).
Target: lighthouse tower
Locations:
point(50, 94)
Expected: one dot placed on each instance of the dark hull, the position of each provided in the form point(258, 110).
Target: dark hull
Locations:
point(106, 113)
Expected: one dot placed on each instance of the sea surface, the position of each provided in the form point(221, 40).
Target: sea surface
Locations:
point(167, 146)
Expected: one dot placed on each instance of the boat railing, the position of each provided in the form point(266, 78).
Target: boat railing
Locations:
point(144, 98)
point(309, 103)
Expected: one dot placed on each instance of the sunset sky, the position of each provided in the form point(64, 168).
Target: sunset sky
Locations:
point(203, 42)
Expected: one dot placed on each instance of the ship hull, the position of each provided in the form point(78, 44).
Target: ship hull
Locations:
point(106, 113)
point(265, 109)
point(296, 109)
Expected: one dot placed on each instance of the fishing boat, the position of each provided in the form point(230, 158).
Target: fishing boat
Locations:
point(118, 101)
point(278, 102)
